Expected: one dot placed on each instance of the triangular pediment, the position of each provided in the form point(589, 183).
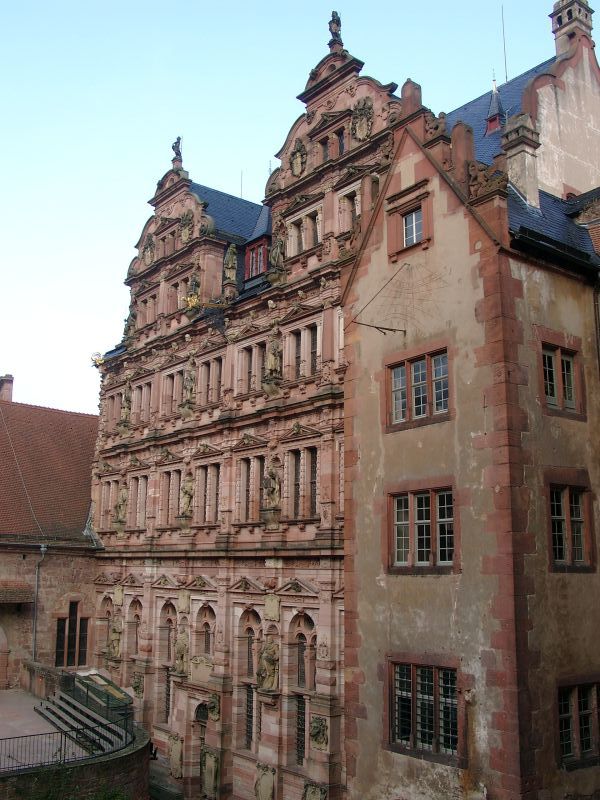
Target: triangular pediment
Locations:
point(132, 580)
point(214, 338)
point(297, 587)
point(296, 311)
point(327, 120)
point(166, 456)
point(301, 200)
point(137, 463)
point(104, 579)
point(353, 173)
point(299, 431)
point(106, 468)
point(165, 582)
point(249, 441)
point(201, 582)
point(246, 585)
point(205, 450)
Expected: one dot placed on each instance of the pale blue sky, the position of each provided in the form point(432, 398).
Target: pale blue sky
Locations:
point(93, 94)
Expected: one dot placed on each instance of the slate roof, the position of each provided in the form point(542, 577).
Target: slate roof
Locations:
point(476, 112)
point(552, 225)
point(50, 452)
point(233, 216)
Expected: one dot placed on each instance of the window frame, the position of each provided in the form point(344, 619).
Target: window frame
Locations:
point(72, 637)
point(413, 565)
point(567, 482)
point(463, 682)
point(559, 346)
point(576, 759)
point(402, 206)
point(408, 364)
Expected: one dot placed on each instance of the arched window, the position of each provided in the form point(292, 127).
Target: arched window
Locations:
point(206, 632)
point(250, 653)
point(301, 640)
point(205, 628)
point(168, 619)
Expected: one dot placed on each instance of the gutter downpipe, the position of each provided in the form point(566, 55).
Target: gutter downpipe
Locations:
point(43, 549)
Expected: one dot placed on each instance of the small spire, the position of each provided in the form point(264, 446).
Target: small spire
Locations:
point(495, 111)
point(176, 148)
point(335, 26)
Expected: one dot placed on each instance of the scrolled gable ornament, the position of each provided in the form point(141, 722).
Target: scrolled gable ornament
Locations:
point(298, 158)
point(148, 250)
point(362, 119)
point(186, 225)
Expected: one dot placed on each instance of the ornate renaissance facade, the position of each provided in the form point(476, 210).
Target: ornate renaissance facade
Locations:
point(347, 451)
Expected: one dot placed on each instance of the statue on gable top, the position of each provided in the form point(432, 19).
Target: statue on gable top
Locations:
point(176, 147)
point(335, 26)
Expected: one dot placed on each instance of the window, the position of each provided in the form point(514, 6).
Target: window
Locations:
point(559, 378)
point(138, 491)
point(251, 366)
point(324, 143)
point(71, 638)
point(578, 733)
point(419, 388)
point(302, 467)
point(340, 141)
point(300, 729)
point(304, 233)
point(170, 483)
point(412, 224)
point(249, 730)
point(568, 526)
point(250, 480)
point(424, 709)
point(208, 487)
point(423, 529)
point(302, 353)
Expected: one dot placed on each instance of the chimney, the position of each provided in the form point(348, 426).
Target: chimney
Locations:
point(570, 18)
point(6, 387)
point(520, 140)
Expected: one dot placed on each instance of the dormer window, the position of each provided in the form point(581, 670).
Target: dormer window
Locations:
point(255, 260)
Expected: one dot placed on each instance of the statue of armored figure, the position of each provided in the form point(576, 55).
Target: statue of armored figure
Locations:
point(187, 495)
point(120, 508)
point(267, 674)
point(181, 653)
point(230, 264)
point(114, 638)
point(272, 488)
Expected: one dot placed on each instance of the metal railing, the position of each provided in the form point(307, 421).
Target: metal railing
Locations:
point(79, 742)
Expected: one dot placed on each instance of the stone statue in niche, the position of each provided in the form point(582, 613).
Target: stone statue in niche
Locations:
point(187, 225)
point(230, 264)
point(187, 496)
point(277, 253)
point(267, 674)
point(214, 707)
point(362, 119)
point(126, 404)
point(318, 732)
point(120, 509)
point(114, 637)
point(137, 684)
point(175, 755)
point(264, 786)
point(298, 158)
point(273, 359)
point(176, 148)
point(189, 386)
point(209, 762)
point(314, 792)
point(271, 488)
point(335, 27)
point(181, 653)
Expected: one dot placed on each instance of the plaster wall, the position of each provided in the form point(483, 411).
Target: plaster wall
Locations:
point(436, 616)
point(562, 641)
point(567, 118)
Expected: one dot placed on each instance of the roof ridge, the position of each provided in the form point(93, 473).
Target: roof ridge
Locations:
point(10, 403)
point(227, 194)
point(503, 86)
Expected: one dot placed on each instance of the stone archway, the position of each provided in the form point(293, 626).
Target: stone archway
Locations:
point(4, 651)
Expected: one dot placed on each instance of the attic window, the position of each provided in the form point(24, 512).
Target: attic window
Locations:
point(569, 14)
point(559, 19)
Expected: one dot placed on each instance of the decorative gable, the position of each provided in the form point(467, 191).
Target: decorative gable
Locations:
point(297, 587)
point(165, 582)
point(132, 580)
point(201, 582)
point(246, 585)
point(299, 431)
point(249, 441)
point(205, 450)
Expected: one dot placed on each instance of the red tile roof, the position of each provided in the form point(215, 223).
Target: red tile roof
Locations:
point(45, 471)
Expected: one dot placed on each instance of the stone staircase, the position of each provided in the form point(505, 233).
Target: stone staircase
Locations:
point(89, 730)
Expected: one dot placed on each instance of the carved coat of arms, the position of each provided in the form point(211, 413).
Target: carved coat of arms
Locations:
point(362, 119)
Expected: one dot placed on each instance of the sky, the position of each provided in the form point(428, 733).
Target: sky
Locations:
point(94, 93)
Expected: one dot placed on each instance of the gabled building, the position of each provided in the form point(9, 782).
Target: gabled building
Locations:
point(46, 547)
point(345, 472)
